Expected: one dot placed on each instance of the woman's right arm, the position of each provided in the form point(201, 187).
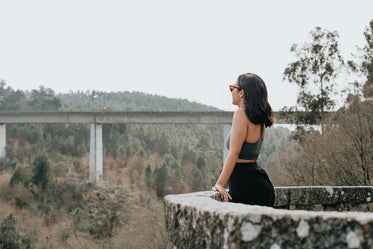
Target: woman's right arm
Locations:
point(238, 135)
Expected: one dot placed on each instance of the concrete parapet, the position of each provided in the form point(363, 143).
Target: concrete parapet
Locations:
point(327, 198)
point(216, 117)
point(201, 220)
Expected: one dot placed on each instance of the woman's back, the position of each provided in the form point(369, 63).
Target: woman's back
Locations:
point(254, 132)
point(253, 140)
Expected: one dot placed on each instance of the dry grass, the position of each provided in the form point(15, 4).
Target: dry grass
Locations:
point(143, 228)
point(5, 189)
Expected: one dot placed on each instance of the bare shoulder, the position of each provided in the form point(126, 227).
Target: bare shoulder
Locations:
point(240, 116)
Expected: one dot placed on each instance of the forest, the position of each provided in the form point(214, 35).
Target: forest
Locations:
point(47, 202)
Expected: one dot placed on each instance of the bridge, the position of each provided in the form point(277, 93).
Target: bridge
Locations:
point(96, 119)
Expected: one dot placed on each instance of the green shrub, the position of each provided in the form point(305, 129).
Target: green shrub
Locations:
point(11, 235)
point(80, 220)
point(65, 234)
point(41, 173)
point(104, 210)
point(18, 177)
point(20, 202)
point(8, 163)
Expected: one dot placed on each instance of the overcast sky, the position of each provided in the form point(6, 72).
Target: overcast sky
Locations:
point(180, 49)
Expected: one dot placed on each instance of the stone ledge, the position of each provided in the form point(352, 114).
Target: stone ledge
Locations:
point(326, 195)
point(200, 220)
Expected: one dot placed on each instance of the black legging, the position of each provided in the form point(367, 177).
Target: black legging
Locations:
point(250, 184)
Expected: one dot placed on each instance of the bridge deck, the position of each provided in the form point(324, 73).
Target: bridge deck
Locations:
point(122, 117)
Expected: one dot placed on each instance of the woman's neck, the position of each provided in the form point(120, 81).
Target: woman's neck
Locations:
point(241, 104)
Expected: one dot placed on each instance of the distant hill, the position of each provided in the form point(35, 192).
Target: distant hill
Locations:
point(127, 101)
point(45, 99)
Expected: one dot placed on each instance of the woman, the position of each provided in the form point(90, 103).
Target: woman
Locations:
point(248, 182)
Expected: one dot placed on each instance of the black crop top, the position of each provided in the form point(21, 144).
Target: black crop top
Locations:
point(250, 151)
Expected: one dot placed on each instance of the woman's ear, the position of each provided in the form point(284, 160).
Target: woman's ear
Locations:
point(241, 93)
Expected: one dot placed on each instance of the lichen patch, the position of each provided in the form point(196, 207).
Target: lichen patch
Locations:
point(249, 231)
point(303, 229)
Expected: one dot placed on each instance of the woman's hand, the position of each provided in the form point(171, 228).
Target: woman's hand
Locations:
point(224, 195)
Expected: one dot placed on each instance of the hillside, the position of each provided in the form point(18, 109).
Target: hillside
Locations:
point(126, 101)
point(45, 174)
point(45, 99)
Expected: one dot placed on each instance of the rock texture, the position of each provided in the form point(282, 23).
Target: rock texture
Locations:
point(200, 220)
point(327, 198)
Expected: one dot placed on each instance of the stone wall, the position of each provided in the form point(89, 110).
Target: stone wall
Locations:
point(325, 198)
point(201, 220)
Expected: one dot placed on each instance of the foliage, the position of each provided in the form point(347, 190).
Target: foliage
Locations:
point(78, 215)
point(367, 63)
point(43, 99)
point(148, 174)
point(354, 157)
point(11, 234)
point(126, 101)
point(343, 153)
point(41, 173)
point(65, 234)
point(8, 163)
point(12, 100)
point(160, 179)
point(18, 177)
point(103, 209)
point(197, 180)
point(316, 67)
point(48, 196)
point(276, 138)
point(363, 66)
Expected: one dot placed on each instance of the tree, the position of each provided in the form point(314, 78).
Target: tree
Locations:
point(18, 177)
point(11, 100)
point(367, 64)
point(148, 175)
point(355, 129)
point(41, 175)
point(160, 176)
point(343, 154)
point(197, 180)
point(44, 100)
point(355, 119)
point(314, 71)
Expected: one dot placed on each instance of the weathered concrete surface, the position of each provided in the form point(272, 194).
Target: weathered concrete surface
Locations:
point(95, 154)
point(200, 220)
point(327, 198)
point(117, 117)
point(218, 117)
point(2, 140)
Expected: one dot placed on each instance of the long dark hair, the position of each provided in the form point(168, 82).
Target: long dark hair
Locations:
point(257, 108)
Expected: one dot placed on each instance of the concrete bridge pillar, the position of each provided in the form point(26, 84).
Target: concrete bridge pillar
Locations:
point(2, 140)
point(227, 130)
point(95, 156)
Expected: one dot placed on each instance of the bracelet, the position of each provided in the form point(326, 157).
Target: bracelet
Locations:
point(217, 185)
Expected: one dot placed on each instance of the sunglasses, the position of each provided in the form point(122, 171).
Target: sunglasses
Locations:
point(232, 87)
